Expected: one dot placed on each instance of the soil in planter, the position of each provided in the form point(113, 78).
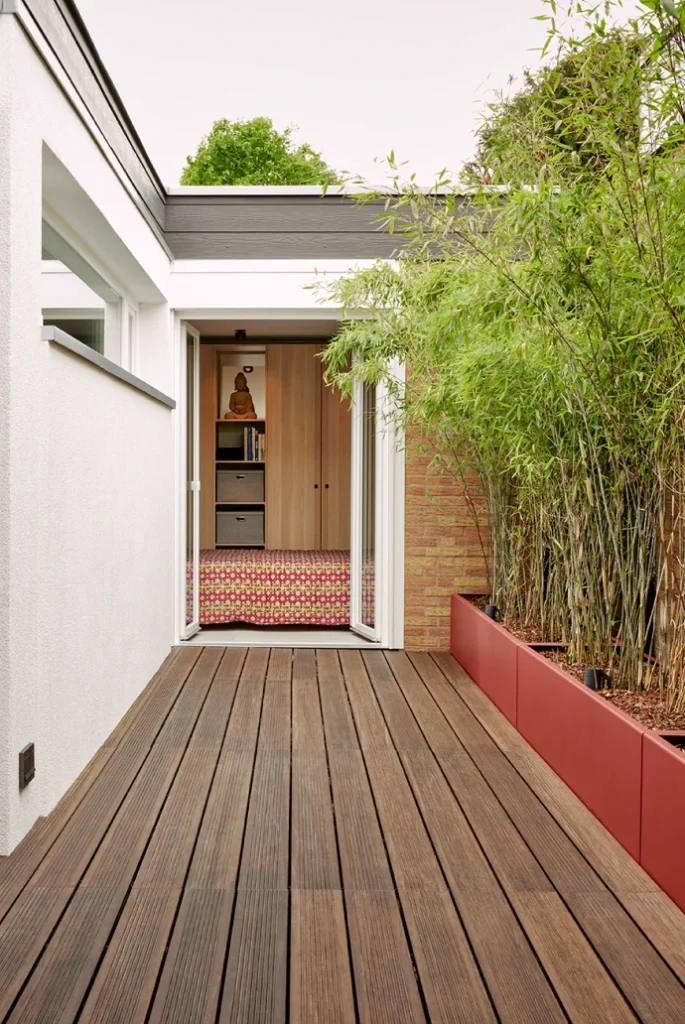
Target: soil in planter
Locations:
point(480, 600)
point(649, 707)
point(526, 634)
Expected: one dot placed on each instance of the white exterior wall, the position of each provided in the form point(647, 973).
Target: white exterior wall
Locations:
point(89, 490)
point(87, 493)
point(277, 289)
point(60, 289)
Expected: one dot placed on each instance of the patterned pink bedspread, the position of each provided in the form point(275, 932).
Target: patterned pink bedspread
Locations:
point(267, 588)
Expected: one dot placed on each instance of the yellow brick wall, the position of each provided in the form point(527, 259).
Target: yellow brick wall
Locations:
point(443, 554)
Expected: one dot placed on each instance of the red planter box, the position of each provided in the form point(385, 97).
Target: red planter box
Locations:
point(595, 748)
point(487, 652)
point(632, 779)
point(663, 814)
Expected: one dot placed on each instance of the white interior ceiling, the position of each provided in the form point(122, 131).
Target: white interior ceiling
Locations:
point(276, 329)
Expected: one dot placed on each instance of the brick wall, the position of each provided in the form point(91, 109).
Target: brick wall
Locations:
point(443, 554)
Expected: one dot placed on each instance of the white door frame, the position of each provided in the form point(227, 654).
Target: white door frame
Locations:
point(388, 628)
point(188, 629)
point(390, 564)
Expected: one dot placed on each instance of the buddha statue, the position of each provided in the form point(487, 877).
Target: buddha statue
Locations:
point(240, 405)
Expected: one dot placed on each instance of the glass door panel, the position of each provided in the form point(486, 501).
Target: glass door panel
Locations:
point(363, 560)
point(191, 468)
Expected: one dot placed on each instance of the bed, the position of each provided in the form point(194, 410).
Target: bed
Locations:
point(275, 588)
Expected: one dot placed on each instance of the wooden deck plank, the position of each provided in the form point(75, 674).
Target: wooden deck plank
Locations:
point(512, 861)
point(663, 923)
point(307, 724)
point(163, 867)
point(385, 983)
point(265, 859)
point(257, 969)
point(437, 935)
point(255, 985)
point(363, 859)
point(371, 728)
point(314, 853)
point(320, 976)
point(571, 963)
point(124, 985)
point(78, 842)
point(339, 725)
point(632, 961)
point(136, 948)
point(516, 983)
point(540, 920)
point(384, 977)
point(452, 987)
point(190, 985)
point(17, 869)
point(647, 982)
point(191, 981)
point(619, 871)
point(561, 861)
point(279, 835)
point(217, 854)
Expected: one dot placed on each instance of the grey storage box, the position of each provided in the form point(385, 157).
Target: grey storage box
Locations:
point(240, 485)
point(240, 527)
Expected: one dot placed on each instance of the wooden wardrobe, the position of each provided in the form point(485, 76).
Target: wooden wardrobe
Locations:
point(308, 453)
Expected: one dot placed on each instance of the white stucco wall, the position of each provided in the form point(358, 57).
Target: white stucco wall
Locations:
point(276, 288)
point(88, 492)
point(86, 472)
point(60, 289)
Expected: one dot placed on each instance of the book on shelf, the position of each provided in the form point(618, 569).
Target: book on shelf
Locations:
point(254, 447)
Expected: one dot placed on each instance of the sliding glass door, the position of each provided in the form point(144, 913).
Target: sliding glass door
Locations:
point(191, 468)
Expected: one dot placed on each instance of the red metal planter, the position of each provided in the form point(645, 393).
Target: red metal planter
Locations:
point(595, 748)
point(632, 779)
point(487, 652)
point(663, 814)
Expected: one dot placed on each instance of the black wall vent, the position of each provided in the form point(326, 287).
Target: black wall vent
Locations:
point(27, 765)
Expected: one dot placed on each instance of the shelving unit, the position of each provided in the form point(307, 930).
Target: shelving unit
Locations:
point(230, 451)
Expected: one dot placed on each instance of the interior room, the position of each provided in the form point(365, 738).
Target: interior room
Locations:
point(275, 473)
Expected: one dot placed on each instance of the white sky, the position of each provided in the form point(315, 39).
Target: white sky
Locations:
point(357, 80)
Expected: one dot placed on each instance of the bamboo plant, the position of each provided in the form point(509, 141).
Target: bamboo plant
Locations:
point(538, 305)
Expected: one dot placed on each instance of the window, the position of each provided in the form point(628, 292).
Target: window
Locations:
point(88, 329)
point(78, 300)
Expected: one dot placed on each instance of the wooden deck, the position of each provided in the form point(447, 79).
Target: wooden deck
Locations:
point(327, 837)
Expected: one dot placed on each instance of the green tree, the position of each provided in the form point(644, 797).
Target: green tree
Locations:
point(254, 153)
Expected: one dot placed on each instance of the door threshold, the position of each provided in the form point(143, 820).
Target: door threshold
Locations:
point(259, 636)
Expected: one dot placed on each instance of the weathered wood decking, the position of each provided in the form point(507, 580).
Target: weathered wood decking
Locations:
point(327, 837)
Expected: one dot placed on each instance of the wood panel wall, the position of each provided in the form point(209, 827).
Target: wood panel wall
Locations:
point(293, 447)
point(308, 454)
point(336, 477)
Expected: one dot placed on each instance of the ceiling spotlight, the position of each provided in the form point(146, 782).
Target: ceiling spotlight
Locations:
point(248, 369)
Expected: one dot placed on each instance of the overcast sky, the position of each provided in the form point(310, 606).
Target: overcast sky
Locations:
point(357, 80)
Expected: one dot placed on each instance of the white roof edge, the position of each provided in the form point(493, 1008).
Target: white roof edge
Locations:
point(287, 190)
point(252, 190)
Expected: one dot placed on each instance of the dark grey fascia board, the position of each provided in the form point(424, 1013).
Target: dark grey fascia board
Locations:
point(57, 337)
